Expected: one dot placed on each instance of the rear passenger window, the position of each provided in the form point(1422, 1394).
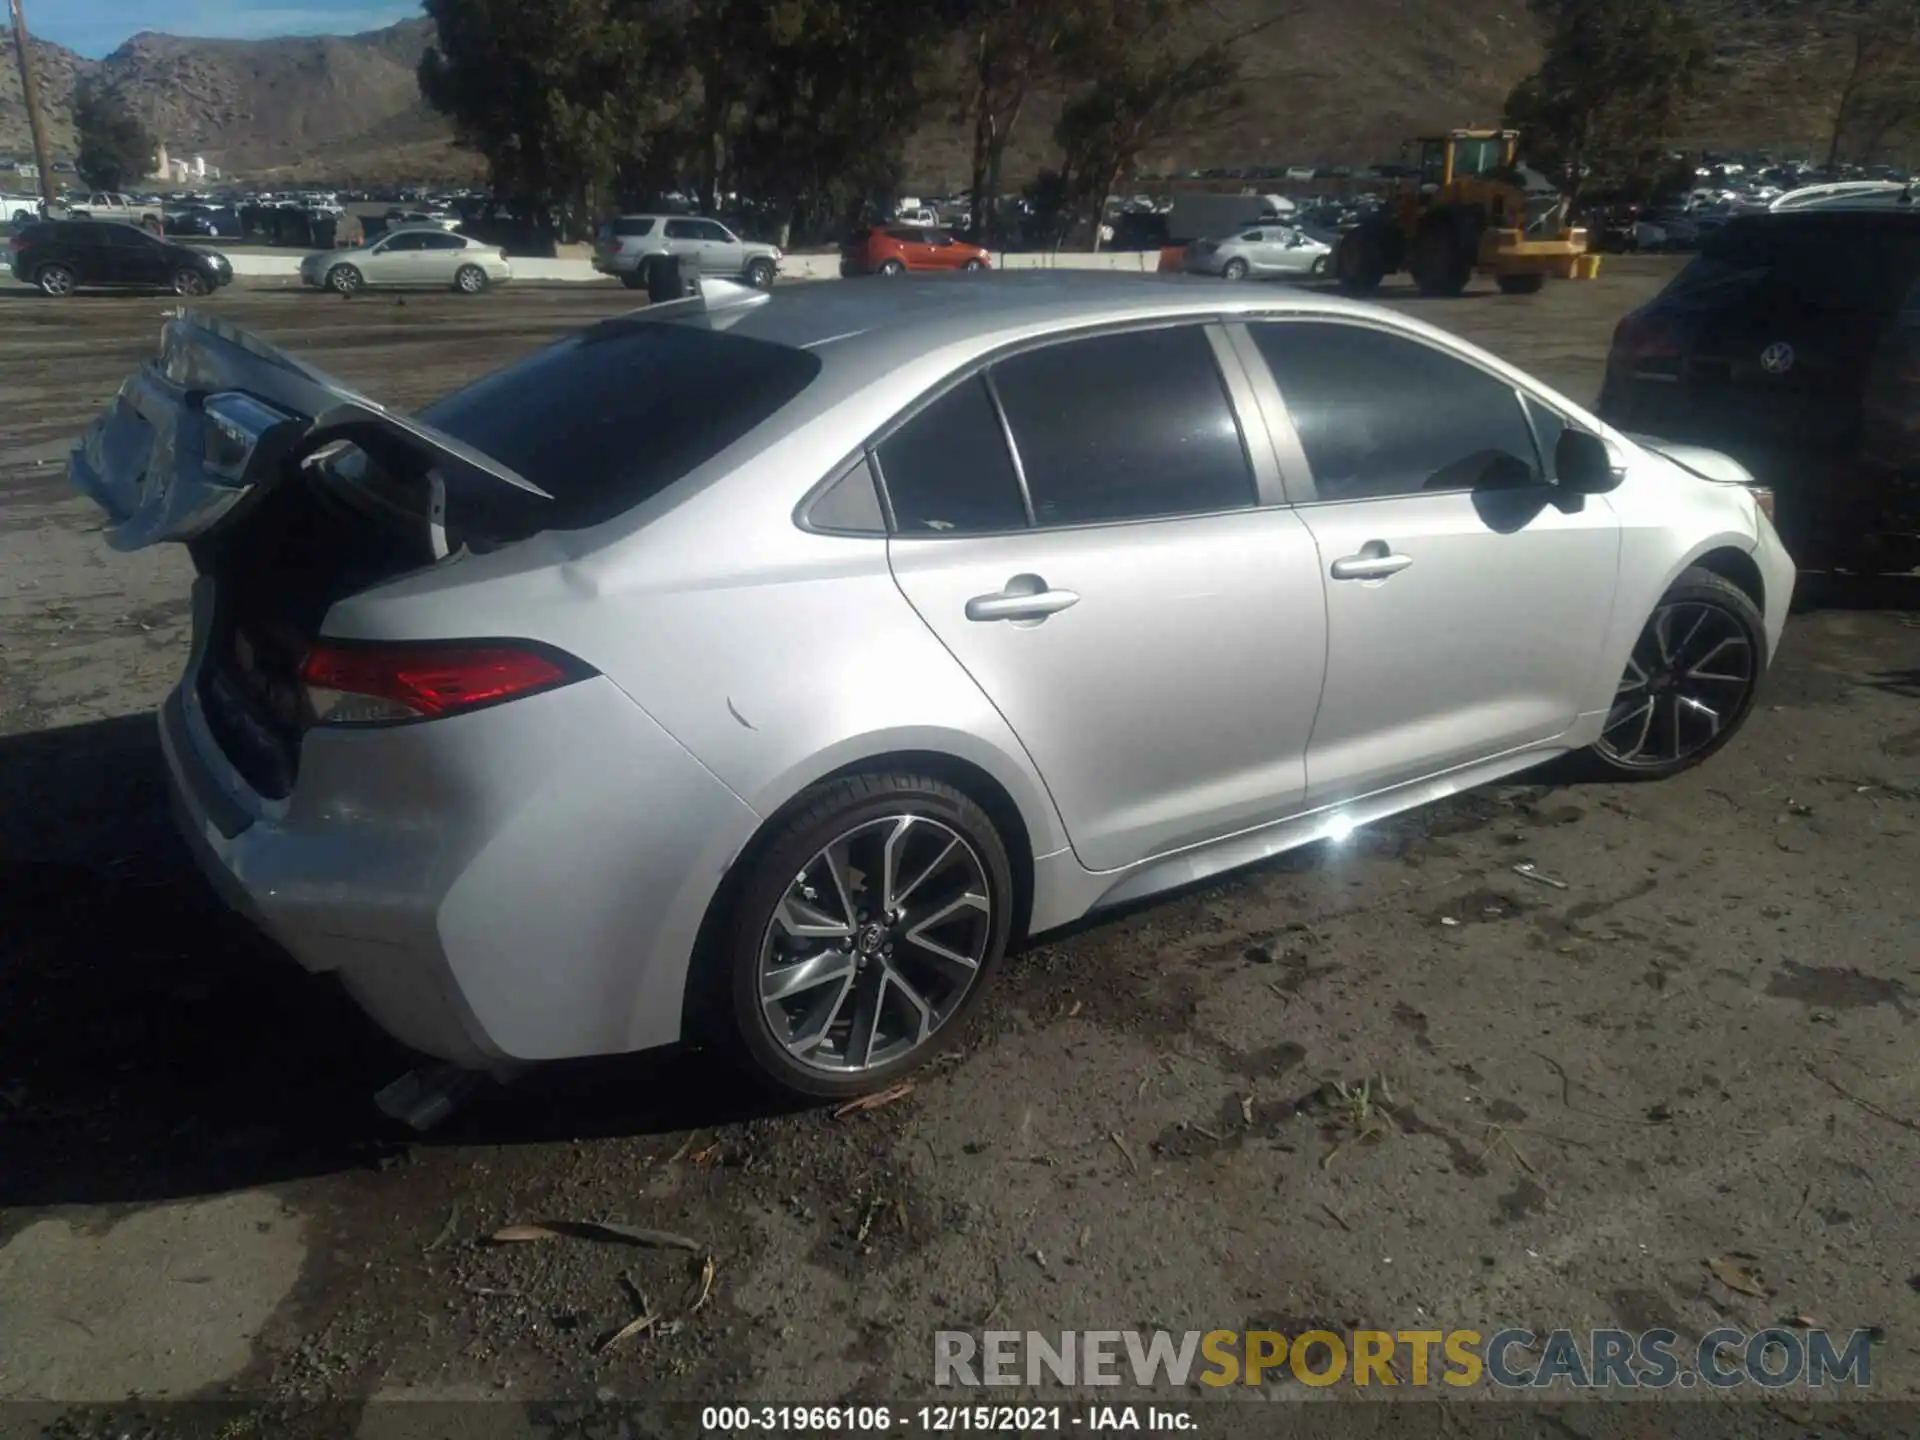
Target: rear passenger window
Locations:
point(850, 505)
point(1379, 415)
point(1125, 427)
point(628, 226)
point(947, 470)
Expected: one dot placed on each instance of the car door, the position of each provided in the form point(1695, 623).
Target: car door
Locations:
point(397, 260)
point(137, 258)
point(1089, 532)
point(682, 237)
point(440, 256)
point(722, 251)
point(1467, 597)
point(82, 244)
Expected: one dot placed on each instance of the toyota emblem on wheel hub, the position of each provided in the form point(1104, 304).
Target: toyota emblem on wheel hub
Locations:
point(1777, 358)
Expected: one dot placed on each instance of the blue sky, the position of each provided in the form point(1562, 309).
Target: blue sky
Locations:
point(98, 27)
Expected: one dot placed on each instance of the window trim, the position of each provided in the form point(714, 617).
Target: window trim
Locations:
point(1310, 486)
point(1268, 492)
point(803, 511)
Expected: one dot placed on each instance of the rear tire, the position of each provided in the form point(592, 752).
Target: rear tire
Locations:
point(56, 280)
point(1440, 265)
point(1672, 708)
point(345, 279)
point(1522, 284)
point(22, 217)
point(633, 280)
point(470, 280)
point(828, 856)
point(891, 268)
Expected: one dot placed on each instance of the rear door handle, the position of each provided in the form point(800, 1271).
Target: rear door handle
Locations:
point(1026, 597)
point(1374, 562)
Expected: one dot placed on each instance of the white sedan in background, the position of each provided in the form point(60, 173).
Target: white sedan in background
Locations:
point(1263, 252)
point(417, 257)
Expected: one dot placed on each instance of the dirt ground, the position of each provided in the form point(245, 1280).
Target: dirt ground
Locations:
point(1702, 1049)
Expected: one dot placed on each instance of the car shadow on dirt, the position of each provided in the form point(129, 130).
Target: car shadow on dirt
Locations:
point(1825, 590)
point(153, 1045)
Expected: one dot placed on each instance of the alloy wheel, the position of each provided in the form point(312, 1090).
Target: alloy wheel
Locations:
point(875, 944)
point(471, 280)
point(1690, 674)
point(56, 280)
point(188, 282)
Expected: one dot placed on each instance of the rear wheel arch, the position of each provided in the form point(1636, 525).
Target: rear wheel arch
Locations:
point(702, 1006)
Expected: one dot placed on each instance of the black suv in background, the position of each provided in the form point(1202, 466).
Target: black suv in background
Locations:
point(61, 256)
point(1792, 343)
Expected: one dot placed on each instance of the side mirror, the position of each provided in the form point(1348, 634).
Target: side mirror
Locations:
point(1584, 464)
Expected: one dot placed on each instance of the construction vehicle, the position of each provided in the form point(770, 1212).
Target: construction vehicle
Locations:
point(1467, 206)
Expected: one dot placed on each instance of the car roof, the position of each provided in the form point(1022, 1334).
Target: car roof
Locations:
point(415, 228)
point(878, 326)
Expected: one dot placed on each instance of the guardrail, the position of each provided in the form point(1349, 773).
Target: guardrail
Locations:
point(794, 267)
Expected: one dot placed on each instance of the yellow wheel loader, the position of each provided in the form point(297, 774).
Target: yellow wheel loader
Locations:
point(1467, 206)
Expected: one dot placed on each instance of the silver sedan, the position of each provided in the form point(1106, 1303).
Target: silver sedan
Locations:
point(755, 669)
point(1261, 252)
point(415, 257)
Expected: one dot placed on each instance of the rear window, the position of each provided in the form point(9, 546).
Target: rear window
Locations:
point(1823, 263)
point(607, 419)
point(628, 225)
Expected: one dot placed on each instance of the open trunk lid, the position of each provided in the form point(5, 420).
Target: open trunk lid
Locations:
point(219, 412)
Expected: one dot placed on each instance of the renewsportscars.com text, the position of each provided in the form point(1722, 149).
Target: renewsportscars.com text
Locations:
point(1511, 1359)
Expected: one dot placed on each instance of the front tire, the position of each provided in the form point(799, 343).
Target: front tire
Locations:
point(892, 267)
point(974, 267)
point(1234, 270)
point(345, 279)
point(470, 280)
point(1689, 683)
point(760, 274)
point(55, 280)
point(862, 933)
point(1440, 264)
point(190, 283)
point(1359, 263)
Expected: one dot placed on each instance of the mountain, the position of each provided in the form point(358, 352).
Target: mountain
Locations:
point(245, 105)
point(1340, 80)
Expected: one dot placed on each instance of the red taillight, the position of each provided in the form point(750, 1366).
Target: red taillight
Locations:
point(18, 242)
point(1644, 337)
point(350, 683)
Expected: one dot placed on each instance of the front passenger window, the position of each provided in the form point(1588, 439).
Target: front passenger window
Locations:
point(1379, 415)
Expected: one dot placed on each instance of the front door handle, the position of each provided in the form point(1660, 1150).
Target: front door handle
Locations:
point(1375, 561)
point(1026, 597)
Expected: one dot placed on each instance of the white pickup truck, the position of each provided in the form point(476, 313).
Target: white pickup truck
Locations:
point(19, 208)
point(110, 205)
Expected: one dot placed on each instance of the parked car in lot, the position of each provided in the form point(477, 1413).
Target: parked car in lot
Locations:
point(62, 256)
point(1792, 341)
point(109, 205)
point(19, 209)
point(754, 670)
point(901, 249)
point(628, 245)
point(1264, 252)
point(419, 257)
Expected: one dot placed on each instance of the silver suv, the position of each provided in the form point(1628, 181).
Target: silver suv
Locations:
point(629, 244)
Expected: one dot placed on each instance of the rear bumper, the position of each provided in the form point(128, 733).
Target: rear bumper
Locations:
point(620, 264)
point(523, 883)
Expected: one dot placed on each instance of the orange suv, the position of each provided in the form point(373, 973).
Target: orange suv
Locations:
point(897, 249)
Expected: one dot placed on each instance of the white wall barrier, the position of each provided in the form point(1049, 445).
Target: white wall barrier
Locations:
point(253, 265)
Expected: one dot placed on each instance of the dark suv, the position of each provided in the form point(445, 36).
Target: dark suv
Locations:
point(61, 256)
point(1792, 343)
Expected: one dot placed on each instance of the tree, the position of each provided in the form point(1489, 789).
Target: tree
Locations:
point(554, 93)
point(1880, 85)
point(1611, 84)
point(1136, 86)
point(115, 148)
point(1011, 47)
point(837, 88)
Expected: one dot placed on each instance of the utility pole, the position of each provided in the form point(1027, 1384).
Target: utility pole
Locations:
point(30, 93)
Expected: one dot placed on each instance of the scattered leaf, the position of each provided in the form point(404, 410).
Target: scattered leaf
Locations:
point(875, 1100)
point(1125, 1149)
point(520, 1234)
point(1800, 1322)
point(707, 1156)
point(627, 1331)
point(702, 1286)
point(1736, 1276)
